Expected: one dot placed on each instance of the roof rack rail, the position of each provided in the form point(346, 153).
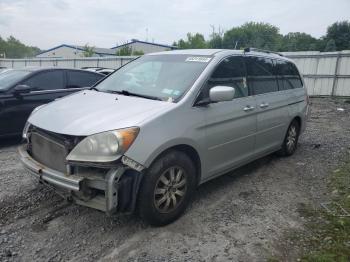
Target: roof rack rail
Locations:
point(252, 49)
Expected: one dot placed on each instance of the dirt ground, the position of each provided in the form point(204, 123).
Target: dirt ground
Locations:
point(241, 216)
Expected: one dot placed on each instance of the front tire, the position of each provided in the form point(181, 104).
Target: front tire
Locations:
point(290, 142)
point(166, 188)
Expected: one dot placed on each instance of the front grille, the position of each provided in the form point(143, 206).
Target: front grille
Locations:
point(48, 152)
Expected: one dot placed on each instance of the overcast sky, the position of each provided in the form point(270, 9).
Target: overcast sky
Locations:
point(104, 23)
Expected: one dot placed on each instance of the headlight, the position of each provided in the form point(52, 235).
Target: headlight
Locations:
point(27, 125)
point(104, 147)
point(25, 130)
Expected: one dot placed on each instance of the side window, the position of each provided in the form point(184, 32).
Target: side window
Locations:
point(49, 80)
point(78, 79)
point(230, 72)
point(260, 75)
point(287, 75)
point(296, 80)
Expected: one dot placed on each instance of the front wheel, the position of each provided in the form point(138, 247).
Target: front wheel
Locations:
point(166, 188)
point(291, 139)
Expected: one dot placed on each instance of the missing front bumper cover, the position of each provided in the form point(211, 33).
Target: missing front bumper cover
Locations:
point(108, 185)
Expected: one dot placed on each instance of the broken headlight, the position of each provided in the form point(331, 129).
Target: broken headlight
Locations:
point(104, 147)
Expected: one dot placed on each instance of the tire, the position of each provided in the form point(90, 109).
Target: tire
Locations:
point(290, 141)
point(170, 176)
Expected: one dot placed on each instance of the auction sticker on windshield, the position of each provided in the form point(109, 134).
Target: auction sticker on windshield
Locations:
point(198, 59)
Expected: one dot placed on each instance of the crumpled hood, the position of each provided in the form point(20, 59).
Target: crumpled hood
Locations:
point(90, 112)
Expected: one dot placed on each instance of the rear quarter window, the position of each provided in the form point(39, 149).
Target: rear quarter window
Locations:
point(287, 75)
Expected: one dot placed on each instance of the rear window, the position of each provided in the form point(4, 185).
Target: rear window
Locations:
point(77, 79)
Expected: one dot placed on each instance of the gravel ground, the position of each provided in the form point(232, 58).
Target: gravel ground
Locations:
point(241, 216)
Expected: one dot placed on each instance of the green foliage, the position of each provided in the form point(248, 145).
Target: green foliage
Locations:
point(258, 35)
point(216, 39)
point(299, 42)
point(340, 33)
point(89, 51)
point(13, 48)
point(138, 52)
point(195, 41)
point(330, 46)
point(328, 235)
point(126, 50)
point(267, 36)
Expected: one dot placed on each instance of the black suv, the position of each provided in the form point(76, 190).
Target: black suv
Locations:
point(21, 90)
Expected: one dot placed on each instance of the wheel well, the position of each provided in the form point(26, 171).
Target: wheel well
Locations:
point(191, 153)
point(298, 119)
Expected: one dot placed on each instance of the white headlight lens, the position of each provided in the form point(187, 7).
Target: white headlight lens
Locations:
point(104, 147)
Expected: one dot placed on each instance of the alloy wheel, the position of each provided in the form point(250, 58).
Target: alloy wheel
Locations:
point(170, 189)
point(292, 138)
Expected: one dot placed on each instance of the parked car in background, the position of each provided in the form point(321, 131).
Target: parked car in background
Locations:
point(101, 70)
point(154, 130)
point(22, 90)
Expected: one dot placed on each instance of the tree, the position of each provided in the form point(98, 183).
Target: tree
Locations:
point(298, 42)
point(125, 50)
point(195, 41)
point(89, 51)
point(216, 39)
point(252, 34)
point(13, 48)
point(340, 33)
point(138, 52)
point(330, 46)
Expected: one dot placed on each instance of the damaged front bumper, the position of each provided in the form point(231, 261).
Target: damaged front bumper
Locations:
point(110, 190)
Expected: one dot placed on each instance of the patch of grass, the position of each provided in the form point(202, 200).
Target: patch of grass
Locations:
point(328, 235)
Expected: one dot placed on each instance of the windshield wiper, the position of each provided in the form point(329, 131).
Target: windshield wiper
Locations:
point(93, 88)
point(128, 93)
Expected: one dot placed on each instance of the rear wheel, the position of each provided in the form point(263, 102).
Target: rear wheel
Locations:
point(291, 139)
point(166, 188)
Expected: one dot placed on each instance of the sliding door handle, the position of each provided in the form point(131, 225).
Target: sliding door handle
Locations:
point(264, 105)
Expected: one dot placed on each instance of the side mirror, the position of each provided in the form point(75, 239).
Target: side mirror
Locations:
point(19, 89)
point(221, 93)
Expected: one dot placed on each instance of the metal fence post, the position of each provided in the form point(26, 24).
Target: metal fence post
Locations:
point(335, 78)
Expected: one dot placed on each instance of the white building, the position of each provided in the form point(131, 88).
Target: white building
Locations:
point(145, 47)
point(71, 51)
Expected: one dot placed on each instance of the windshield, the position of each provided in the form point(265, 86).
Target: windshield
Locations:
point(165, 77)
point(10, 77)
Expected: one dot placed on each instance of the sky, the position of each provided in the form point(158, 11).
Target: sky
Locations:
point(106, 23)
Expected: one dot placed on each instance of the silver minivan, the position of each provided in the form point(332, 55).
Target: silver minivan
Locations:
point(147, 135)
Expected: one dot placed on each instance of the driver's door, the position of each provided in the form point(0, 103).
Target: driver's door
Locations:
point(231, 125)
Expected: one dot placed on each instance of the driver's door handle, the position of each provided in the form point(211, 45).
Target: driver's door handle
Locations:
point(248, 108)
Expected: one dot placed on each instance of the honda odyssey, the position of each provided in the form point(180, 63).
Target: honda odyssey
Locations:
point(148, 134)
